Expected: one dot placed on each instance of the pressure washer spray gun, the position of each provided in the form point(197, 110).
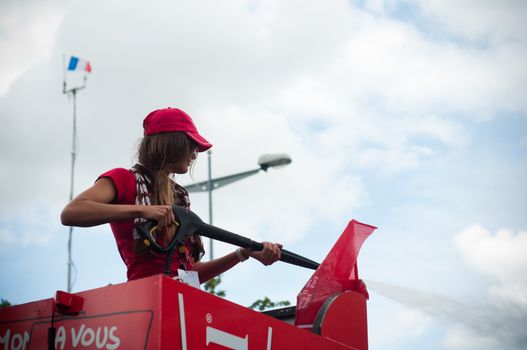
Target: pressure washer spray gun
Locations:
point(188, 223)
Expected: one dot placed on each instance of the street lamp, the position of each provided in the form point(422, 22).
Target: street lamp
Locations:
point(265, 161)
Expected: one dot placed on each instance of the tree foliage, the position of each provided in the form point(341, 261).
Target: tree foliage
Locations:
point(266, 303)
point(211, 286)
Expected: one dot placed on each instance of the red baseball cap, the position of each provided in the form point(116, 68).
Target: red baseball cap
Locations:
point(174, 119)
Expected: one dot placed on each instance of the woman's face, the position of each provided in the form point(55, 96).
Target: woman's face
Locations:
point(182, 166)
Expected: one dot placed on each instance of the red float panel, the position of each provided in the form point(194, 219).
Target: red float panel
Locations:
point(153, 313)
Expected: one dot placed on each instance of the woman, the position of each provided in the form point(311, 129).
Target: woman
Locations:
point(127, 197)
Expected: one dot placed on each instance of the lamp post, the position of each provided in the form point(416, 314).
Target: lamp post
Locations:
point(265, 161)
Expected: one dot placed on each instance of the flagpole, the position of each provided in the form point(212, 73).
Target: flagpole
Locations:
point(72, 177)
point(73, 92)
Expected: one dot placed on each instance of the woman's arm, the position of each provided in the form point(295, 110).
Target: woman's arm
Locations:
point(94, 207)
point(210, 269)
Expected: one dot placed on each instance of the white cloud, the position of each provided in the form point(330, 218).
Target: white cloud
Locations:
point(416, 73)
point(469, 325)
point(342, 77)
point(34, 227)
point(331, 85)
point(502, 256)
point(461, 337)
point(413, 322)
point(335, 87)
point(465, 20)
point(479, 18)
point(28, 35)
point(291, 199)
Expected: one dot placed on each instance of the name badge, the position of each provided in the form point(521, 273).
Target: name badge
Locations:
point(188, 277)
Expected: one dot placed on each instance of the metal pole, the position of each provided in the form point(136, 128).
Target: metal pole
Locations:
point(73, 154)
point(209, 186)
point(73, 91)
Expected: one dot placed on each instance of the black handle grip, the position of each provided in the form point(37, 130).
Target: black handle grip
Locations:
point(146, 227)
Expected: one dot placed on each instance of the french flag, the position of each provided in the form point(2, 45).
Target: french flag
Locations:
point(79, 65)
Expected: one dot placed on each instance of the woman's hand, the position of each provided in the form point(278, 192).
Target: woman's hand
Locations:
point(270, 253)
point(164, 216)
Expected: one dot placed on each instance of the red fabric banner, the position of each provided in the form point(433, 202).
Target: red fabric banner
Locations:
point(337, 273)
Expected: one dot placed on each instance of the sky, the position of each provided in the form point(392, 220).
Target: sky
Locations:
point(407, 115)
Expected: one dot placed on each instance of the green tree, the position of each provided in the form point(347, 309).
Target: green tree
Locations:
point(266, 303)
point(212, 285)
point(4, 303)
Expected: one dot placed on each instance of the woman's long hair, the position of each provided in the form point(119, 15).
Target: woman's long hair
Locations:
point(155, 153)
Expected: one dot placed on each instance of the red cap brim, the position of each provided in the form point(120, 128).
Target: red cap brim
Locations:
point(203, 144)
